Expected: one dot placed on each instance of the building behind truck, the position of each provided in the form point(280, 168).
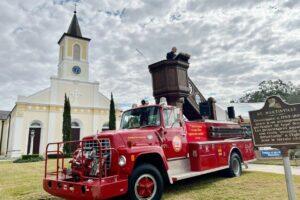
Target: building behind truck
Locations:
point(36, 119)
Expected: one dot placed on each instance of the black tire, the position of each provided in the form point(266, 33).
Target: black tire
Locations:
point(235, 166)
point(148, 172)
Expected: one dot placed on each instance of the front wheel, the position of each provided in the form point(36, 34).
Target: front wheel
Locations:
point(146, 183)
point(235, 166)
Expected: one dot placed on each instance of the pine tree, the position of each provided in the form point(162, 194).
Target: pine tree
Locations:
point(67, 129)
point(112, 114)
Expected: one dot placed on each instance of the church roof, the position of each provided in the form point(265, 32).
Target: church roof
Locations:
point(4, 114)
point(74, 30)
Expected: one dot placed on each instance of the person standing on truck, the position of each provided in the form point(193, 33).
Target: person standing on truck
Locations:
point(172, 54)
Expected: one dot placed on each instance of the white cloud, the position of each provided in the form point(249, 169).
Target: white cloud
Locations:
point(234, 44)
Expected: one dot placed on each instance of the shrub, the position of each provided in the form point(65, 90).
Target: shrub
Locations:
point(53, 156)
point(29, 158)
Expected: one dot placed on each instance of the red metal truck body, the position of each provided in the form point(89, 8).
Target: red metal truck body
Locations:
point(171, 150)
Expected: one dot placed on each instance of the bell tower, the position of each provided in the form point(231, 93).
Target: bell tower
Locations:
point(73, 54)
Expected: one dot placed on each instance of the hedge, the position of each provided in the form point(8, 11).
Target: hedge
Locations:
point(29, 158)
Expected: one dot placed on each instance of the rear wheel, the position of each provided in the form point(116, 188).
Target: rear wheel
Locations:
point(235, 166)
point(146, 183)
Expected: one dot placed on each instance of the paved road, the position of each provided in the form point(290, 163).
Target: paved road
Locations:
point(278, 169)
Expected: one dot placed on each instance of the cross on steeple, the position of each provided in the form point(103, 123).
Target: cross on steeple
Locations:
point(74, 29)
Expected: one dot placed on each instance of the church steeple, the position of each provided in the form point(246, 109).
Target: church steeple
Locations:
point(73, 57)
point(74, 28)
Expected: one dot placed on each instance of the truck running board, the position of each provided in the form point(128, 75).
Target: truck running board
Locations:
point(190, 174)
point(180, 169)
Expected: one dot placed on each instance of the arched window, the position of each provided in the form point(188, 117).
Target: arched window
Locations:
point(75, 125)
point(61, 53)
point(35, 124)
point(76, 52)
point(105, 126)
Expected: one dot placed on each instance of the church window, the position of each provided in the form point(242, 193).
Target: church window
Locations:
point(61, 53)
point(75, 125)
point(105, 126)
point(35, 124)
point(76, 52)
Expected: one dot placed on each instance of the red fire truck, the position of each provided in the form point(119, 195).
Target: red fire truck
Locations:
point(154, 146)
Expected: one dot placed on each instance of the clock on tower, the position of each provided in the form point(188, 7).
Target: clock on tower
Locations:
point(76, 70)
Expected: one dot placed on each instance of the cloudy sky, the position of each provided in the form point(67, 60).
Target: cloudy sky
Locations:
point(234, 44)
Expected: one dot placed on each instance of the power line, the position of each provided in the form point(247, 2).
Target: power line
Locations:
point(141, 53)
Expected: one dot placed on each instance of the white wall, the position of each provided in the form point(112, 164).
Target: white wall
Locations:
point(221, 113)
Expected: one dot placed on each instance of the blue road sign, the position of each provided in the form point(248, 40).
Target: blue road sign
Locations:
point(270, 153)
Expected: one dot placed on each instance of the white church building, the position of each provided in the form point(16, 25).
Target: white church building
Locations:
point(36, 120)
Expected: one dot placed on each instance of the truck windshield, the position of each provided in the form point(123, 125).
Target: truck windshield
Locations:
point(140, 117)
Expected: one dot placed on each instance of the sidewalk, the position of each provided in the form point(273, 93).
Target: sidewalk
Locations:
point(277, 169)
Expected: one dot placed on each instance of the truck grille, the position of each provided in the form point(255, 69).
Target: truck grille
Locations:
point(105, 146)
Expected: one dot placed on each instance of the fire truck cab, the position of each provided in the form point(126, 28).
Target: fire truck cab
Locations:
point(155, 145)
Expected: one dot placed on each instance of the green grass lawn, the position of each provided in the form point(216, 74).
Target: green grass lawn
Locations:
point(24, 181)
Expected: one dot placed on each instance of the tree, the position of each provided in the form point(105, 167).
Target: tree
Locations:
point(269, 88)
point(112, 114)
point(67, 129)
point(294, 98)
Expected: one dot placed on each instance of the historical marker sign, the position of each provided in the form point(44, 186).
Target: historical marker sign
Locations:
point(276, 124)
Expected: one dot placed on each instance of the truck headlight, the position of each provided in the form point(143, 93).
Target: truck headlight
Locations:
point(122, 161)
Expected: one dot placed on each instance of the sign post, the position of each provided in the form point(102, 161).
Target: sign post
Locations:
point(277, 125)
point(288, 174)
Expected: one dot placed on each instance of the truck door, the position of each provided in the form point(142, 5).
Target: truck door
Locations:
point(175, 143)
